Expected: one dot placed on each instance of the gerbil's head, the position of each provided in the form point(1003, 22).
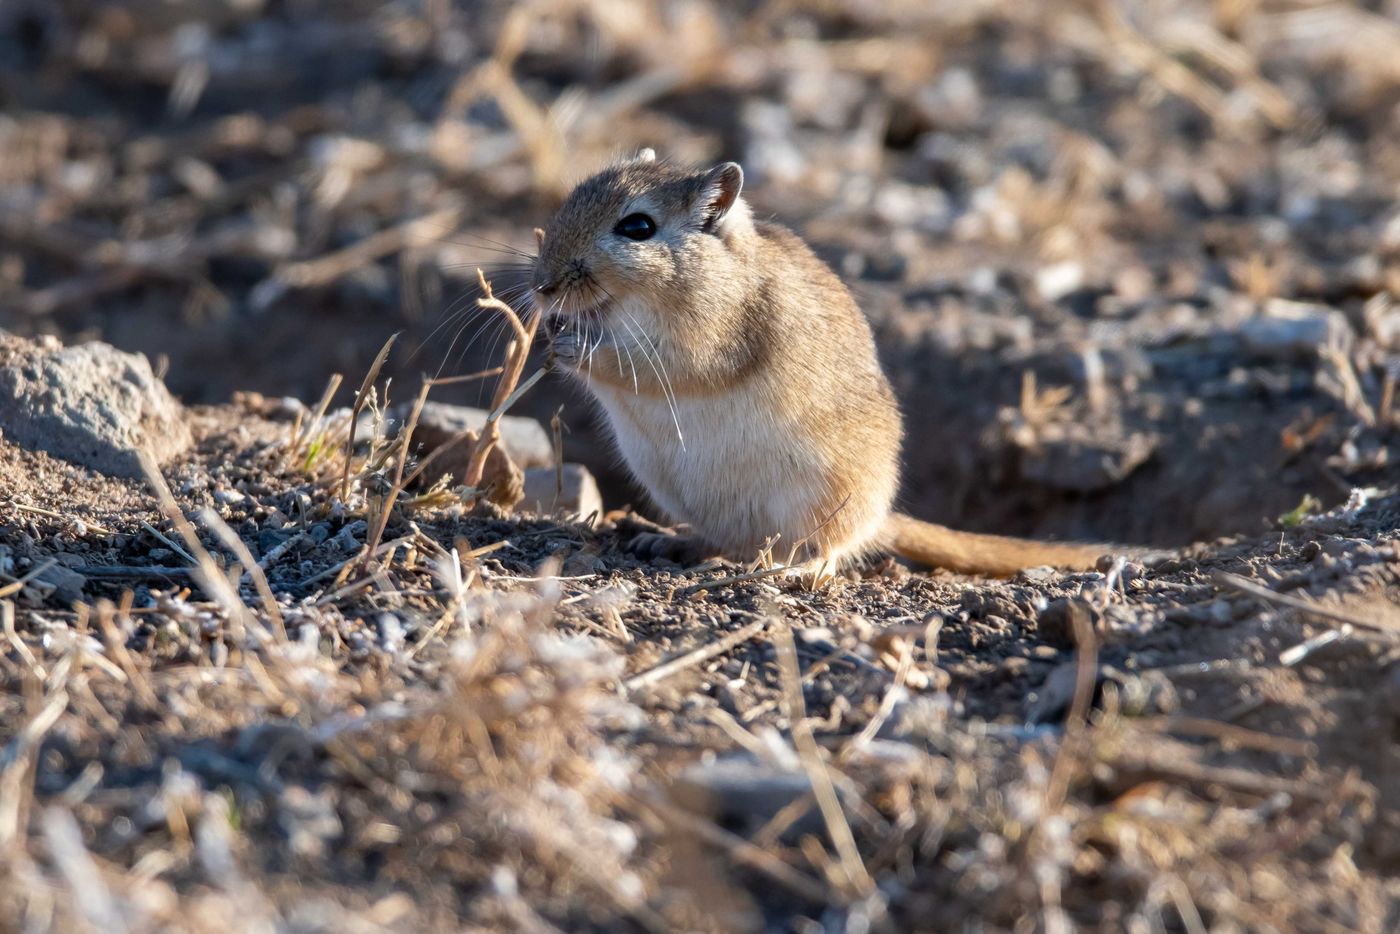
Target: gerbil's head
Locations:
point(643, 261)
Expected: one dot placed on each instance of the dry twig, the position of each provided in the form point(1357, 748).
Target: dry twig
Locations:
point(695, 657)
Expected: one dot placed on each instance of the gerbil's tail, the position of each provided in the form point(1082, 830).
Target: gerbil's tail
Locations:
point(973, 553)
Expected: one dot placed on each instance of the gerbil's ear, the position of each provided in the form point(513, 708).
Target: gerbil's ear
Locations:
point(718, 193)
point(646, 155)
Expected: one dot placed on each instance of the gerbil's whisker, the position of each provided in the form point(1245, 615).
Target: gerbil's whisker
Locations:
point(466, 317)
point(659, 368)
point(449, 317)
point(514, 293)
point(461, 311)
point(497, 246)
point(631, 361)
point(620, 346)
point(494, 267)
point(636, 385)
point(487, 321)
point(583, 359)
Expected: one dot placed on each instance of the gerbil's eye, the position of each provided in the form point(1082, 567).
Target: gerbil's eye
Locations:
point(636, 227)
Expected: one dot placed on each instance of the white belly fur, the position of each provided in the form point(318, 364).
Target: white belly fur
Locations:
point(742, 474)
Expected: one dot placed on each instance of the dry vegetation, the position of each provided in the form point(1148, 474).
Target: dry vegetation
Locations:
point(1133, 266)
point(513, 723)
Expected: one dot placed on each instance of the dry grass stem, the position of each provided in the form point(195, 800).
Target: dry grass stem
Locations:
point(506, 389)
point(1249, 588)
point(35, 510)
point(695, 657)
point(361, 398)
point(746, 853)
point(208, 573)
point(469, 377)
point(230, 540)
point(1074, 744)
point(305, 430)
point(16, 585)
point(744, 578)
point(17, 763)
point(384, 508)
point(858, 884)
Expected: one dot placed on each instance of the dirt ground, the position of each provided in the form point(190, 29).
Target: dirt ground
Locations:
point(1133, 269)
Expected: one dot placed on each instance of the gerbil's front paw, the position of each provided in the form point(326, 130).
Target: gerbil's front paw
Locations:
point(682, 549)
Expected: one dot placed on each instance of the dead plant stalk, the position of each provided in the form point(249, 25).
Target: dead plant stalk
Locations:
point(854, 876)
point(516, 353)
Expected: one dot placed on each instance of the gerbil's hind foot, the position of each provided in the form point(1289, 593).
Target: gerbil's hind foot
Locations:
point(680, 549)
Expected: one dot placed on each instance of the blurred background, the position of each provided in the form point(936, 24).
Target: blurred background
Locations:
point(1132, 264)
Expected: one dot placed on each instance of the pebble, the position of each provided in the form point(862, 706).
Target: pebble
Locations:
point(578, 496)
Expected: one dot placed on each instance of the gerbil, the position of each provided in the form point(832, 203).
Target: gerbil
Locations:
point(738, 375)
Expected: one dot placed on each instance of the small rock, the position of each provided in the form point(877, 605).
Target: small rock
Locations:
point(1138, 695)
point(579, 495)
point(1059, 623)
point(448, 434)
point(229, 497)
point(1057, 280)
point(1382, 316)
point(346, 541)
point(1037, 575)
point(1295, 330)
point(67, 583)
point(1342, 547)
point(90, 404)
point(743, 794)
point(1134, 283)
point(391, 633)
point(524, 439)
point(308, 820)
point(954, 101)
point(269, 539)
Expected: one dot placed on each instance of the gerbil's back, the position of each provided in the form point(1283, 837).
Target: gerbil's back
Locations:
point(825, 344)
point(828, 376)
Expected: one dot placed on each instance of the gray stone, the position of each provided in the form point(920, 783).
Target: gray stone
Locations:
point(1147, 693)
point(90, 404)
point(67, 584)
point(524, 439)
point(741, 793)
point(1295, 330)
point(579, 495)
point(1060, 622)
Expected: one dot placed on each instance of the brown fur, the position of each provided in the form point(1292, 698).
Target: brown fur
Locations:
point(738, 332)
point(971, 553)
